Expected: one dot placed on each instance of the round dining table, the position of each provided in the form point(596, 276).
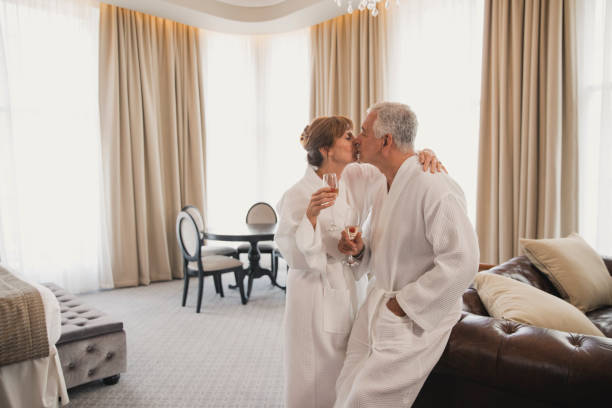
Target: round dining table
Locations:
point(253, 234)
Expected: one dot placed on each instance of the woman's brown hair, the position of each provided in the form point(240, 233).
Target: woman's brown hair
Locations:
point(321, 133)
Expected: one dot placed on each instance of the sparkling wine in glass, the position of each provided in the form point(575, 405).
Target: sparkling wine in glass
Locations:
point(331, 180)
point(352, 228)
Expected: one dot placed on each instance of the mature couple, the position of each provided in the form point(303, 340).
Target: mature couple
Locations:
point(418, 244)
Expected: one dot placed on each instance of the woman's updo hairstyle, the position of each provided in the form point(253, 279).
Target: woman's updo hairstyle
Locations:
point(321, 133)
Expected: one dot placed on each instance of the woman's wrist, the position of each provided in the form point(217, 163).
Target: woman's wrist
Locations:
point(312, 219)
point(360, 254)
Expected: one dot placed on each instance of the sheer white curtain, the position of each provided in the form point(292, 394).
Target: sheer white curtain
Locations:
point(50, 190)
point(435, 49)
point(594, 29)
point(257, 102)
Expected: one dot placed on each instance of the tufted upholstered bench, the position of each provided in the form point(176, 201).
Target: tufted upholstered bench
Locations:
point(495, 362)
point(92, 345)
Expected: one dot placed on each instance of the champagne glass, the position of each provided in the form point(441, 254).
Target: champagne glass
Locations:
point(332, 181)
point(352, 226)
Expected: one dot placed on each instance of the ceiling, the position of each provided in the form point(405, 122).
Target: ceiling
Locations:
point(239, 16)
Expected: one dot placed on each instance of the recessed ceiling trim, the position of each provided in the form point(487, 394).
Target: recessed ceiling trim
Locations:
point(252, 3)
point(217, 16)
point(247, 14)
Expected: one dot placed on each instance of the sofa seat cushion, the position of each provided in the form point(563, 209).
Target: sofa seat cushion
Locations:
point(602, 318)
point(576, 270)
point(506, 298)
point(80, 321)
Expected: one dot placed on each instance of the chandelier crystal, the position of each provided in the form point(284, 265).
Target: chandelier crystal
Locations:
point(371, 5)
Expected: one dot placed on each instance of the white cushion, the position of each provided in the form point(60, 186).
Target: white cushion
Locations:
point(506, 298)
point(213, 263)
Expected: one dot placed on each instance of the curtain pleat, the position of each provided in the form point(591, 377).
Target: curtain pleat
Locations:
point(348, 65)
point(152, 123)
point(528, 158)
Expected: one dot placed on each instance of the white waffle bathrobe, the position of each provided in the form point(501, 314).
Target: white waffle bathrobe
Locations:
point(422, 250)
point(322, 295)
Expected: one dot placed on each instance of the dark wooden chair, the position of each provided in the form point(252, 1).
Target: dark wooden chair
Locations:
point(208, 249)
point(195, 263)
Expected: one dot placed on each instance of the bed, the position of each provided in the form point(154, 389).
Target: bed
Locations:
point(37, 382)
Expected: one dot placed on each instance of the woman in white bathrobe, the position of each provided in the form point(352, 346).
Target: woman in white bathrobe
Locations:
point(323, 296)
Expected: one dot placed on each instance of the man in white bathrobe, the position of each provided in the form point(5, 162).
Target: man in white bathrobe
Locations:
point(423, 254)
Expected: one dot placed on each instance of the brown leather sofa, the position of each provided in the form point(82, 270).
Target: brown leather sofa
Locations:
point(491, 362)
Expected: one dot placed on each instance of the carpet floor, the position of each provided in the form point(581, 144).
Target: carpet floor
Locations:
point(229, 355)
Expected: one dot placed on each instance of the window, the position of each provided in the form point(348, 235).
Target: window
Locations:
point(50, 185)
point(434, 59)
point(594, 46)
point(256, 106)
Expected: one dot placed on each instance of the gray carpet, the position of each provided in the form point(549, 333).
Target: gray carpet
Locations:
point(229, 355)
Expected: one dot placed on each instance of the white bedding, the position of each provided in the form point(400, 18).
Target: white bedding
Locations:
point(38, 382)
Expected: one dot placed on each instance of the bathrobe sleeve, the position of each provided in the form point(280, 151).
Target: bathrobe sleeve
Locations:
point(300, 243)
point(432, 296)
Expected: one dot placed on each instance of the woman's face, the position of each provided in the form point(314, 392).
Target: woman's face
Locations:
point(343, 149)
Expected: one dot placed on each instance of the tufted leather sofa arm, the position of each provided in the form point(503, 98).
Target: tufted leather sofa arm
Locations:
point(608, 263)
point(529, 360)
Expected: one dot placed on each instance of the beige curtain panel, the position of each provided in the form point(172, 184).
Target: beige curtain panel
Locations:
point(152, 123)
point(348, 57)
point(528, 158)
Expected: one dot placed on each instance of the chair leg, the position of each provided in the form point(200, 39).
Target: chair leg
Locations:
point(274, 266)
point(200, 290)
point(185, 286)
point(216, 282)
point(238, 274)
point(250, 285)
point(220, 283)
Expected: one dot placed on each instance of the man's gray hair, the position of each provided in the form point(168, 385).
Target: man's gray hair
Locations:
point(398, 120)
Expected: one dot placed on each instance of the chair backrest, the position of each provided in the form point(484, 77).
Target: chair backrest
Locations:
point(188, 236)
point(196, 215)
point(261, 213)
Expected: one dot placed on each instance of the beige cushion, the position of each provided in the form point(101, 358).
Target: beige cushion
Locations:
point(215, 263)
point(576, 270)
point(506, 298)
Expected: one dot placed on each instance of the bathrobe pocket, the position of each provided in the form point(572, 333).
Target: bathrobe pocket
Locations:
point(391, 329)
point(337, 310)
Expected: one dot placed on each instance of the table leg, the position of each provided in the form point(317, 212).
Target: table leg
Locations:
point(256, 271)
